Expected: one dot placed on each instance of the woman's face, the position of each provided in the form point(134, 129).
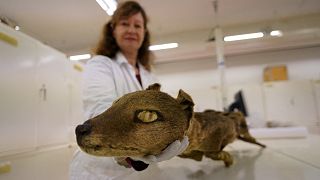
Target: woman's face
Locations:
point(129, 33)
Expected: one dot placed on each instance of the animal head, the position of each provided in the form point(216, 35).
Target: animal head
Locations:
point(137, 124)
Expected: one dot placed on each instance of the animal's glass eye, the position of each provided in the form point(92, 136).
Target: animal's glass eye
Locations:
point(147, 116)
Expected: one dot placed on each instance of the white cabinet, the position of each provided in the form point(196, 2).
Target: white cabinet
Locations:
point(76, 114)
point(291, 102)
point(316, 88)
point(17, 92)
point(40, 101)
point(53, 101)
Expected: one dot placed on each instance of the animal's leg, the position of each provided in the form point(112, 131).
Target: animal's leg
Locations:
point(248, 138)
point(222, 155)
point(195, 155)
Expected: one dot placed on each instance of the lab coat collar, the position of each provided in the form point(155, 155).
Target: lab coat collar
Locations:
point(121, 59)
point(143, 75)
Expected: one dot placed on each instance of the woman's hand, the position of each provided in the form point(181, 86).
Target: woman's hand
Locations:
point(172, 150)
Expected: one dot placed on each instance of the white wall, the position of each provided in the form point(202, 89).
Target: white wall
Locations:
point(301, 63)
point(242, 72)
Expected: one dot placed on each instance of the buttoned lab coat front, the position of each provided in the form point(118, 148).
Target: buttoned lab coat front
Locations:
point(105, 80)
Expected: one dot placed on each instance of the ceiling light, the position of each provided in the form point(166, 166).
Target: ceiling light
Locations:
point(108, 5)
point(163, 46)
point(17, 28)
point(80, 57)
point(243, 36)
point(276, 33)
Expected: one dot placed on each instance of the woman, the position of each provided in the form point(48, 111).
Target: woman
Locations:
point(121, 66)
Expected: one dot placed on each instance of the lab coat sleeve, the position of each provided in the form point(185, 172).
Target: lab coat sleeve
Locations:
point(87, 167)
point(98, 88)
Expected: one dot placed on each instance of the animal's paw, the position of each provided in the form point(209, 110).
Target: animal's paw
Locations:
point(226, 157)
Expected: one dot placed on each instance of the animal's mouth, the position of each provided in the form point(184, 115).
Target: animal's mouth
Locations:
point(137, 165)
point(95, 146)
point(109, 150)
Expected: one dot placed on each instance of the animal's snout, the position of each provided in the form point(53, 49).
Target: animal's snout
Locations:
point(83, 129)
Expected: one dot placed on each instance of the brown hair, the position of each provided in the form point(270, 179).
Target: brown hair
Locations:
point(108, 46)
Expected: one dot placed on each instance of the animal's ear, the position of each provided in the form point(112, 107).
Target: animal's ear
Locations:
point(186, 102)
point(155, 87)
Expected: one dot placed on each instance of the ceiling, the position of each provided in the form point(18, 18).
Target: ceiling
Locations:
point(73, 26)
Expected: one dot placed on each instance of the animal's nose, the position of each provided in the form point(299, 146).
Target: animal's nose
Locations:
point(84, 129)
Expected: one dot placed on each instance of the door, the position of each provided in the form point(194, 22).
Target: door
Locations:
point(17, 92)
point(53, 100)
point(291, 103)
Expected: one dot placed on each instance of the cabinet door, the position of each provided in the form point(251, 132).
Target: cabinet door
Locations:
point(53, 101)
point(17, 92)
point(76, 107)
point(316, 88)
point(291, 102)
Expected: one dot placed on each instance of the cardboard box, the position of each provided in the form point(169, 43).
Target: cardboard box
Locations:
point(275, 73)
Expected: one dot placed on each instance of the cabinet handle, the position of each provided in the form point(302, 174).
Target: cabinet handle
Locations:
point(292, 102)
point(43, 92)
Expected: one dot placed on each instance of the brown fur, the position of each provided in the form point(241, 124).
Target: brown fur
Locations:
point(118, 132)
point(210, 131)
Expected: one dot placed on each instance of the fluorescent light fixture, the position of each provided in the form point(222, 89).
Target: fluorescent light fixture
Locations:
point(80, 57)
point(163, 46)
point(108, 5)
point(276, 33)
point(243, 36)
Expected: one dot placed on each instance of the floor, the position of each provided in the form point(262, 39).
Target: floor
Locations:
point(294, 159)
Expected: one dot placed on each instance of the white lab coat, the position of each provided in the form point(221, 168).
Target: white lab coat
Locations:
point(105, 80)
